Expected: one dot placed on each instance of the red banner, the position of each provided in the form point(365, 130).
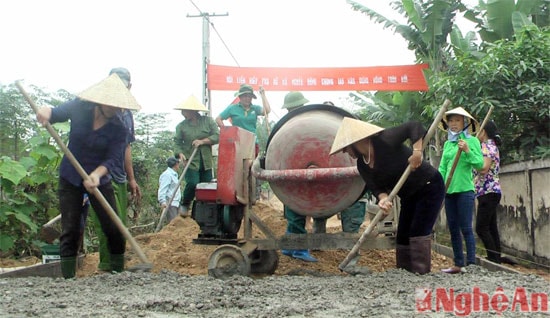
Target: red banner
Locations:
point(376, 78)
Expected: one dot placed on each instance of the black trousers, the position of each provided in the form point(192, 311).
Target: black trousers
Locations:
point(70, 205)
point(420, 211)
point(486, 224)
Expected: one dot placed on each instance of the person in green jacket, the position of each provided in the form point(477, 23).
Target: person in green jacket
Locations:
point(296, 223)
point(195, 131)
point(460, 194)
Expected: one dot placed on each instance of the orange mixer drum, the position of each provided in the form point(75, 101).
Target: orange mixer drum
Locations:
point(298, 166)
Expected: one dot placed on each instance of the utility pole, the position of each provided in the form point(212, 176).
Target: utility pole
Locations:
point(206, 54)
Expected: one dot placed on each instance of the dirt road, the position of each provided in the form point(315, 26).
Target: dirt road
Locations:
point(178, 286)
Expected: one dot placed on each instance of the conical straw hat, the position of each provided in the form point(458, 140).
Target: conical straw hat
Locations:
point(459, 111)
point(351, 131)
point(111, 92)
point(192, 103)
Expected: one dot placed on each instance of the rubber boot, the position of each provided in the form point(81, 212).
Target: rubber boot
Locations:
point(421, 254)
point(287, 252)
point(68, 267)
point(117, 262)
point(304, 256)
point(403, 257)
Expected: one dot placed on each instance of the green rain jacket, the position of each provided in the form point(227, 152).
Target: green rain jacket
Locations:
point(463, 177)
point(187, 131)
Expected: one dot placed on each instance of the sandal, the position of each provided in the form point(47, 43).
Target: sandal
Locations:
point(454, 270)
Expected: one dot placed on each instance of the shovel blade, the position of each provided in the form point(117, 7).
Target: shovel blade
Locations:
point(49, 234)
point(353, 269)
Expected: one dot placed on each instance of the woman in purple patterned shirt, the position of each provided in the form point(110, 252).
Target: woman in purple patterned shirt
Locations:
point(488, 192)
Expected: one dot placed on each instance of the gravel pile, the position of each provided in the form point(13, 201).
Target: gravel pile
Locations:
point(393, 293)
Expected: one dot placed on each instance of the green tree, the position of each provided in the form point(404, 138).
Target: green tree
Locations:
point(28, 169)
point(501, 19)
point(149, 152)
point(16, 122)
point(512, 77)
point(27, 195)
point(429, 24)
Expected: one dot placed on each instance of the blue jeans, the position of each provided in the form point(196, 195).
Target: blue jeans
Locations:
point(459, 208)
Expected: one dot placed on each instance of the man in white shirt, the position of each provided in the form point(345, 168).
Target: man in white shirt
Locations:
point(168, 182)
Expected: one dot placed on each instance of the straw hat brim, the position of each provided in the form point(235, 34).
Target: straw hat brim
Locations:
point(459, 111)
point(192, 103)
point(351, 131)
point(111, 92)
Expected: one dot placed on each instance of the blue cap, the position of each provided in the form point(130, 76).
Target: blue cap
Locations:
point(123, 73)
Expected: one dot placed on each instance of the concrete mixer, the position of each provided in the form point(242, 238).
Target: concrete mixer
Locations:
point(298, 166)
point(302, 175)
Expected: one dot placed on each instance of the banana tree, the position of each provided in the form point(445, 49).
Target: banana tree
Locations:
point(501, 19)
point(429, 24)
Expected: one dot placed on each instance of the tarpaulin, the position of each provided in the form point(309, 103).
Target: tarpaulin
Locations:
point(375, 78)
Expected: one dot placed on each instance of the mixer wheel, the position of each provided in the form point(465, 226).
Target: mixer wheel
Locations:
point(264, 261)
point(228, 260)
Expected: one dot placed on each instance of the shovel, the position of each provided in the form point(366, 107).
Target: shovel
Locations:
point(163, 214)
point(146, 265)
point(349, 264)
point(48, 233)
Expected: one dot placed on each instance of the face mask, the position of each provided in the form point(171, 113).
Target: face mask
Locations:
point(452, 136)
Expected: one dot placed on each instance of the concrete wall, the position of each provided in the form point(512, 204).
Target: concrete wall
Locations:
point(524, 211)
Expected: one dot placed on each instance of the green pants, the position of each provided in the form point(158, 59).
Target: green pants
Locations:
point(121, 196)
point(296, 223)
point(192, 178)
point(351, 219)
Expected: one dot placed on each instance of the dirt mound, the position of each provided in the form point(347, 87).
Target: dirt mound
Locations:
point(173, 249)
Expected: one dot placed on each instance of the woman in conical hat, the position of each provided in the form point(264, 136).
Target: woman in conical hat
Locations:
point(382, 157)
point(195, 131)
point(96, 139)
point(460, 196)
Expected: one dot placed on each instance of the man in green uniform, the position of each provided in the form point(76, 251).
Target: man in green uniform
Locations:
point(195, 131)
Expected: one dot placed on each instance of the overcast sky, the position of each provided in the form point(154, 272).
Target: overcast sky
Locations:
point(72, 44)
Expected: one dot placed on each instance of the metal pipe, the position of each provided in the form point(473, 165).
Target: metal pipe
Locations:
point(315, 174)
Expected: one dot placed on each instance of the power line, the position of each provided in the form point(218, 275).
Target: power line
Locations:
point(207, 17)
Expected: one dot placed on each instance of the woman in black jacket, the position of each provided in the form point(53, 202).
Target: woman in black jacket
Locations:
point(382, 157)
